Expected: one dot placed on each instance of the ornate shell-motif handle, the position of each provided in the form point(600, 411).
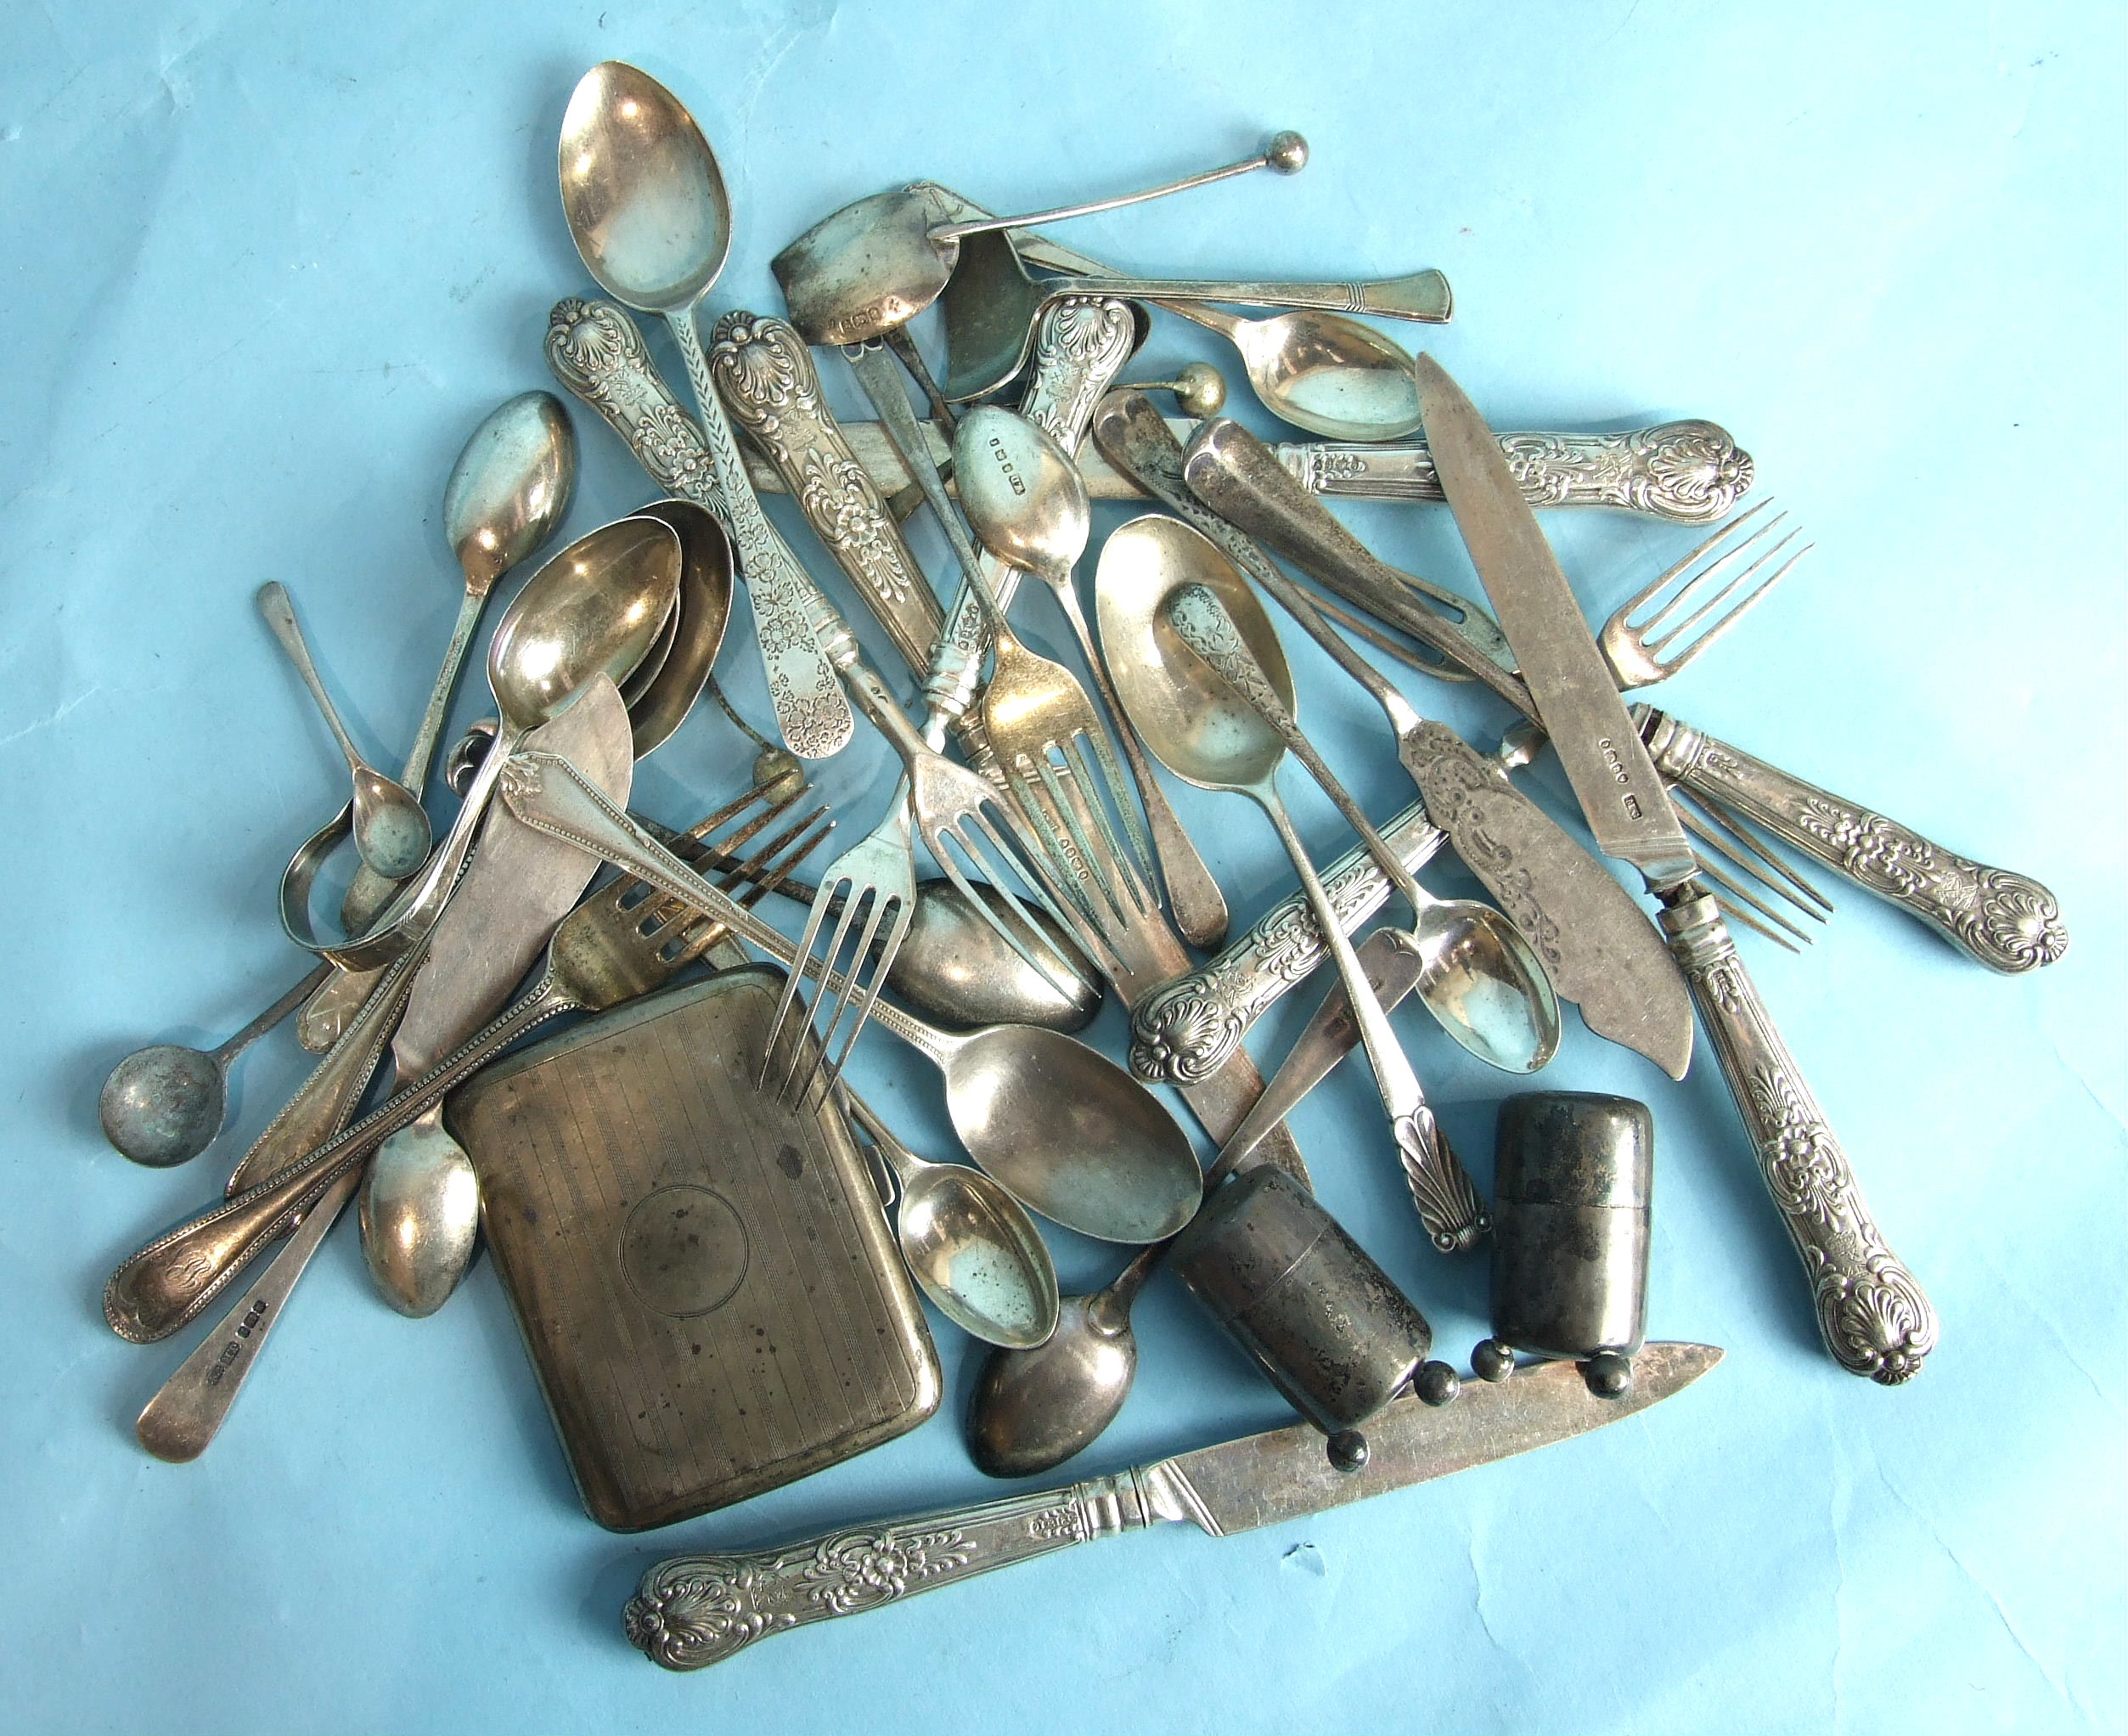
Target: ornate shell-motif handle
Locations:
point(1691, 471)
point(2006, 921)
point(766, 378)
point(1185, 1029)
point(694, 1610)
point(1872, 1314)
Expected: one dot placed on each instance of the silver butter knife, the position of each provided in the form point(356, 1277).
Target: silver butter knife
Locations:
point(1872, 1314)
point(694, 1610)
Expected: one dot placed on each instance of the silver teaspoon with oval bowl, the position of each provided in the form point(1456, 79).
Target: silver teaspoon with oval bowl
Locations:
point(596, 607)
point(969, 1244)
point(1201, 730)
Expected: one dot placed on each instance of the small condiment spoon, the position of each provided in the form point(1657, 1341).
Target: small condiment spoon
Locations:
point(392, 830)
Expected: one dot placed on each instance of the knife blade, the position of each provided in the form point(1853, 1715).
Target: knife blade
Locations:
point(694, 1610)
point(1576, 694)
point(1873, 1316)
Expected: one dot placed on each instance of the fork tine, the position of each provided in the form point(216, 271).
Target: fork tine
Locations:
point(1737, 913)
point(1120, 795)
point(770, 864)
point(1741, 607)
point(778, 1026)
point(829, 1071)
point(864, 971)
point(1028, 942)
point(1068, 805)
point(1720, 534)
point(1735, 889)
point(1767, 866)
point(1138, 884)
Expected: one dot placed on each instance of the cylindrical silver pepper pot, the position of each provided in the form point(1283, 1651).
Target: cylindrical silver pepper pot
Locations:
point(1572, 1176)
point(1290, 1287)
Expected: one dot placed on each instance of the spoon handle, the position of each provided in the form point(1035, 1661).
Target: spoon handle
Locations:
point(422, 757)
point(1191, 1026)
point(1197, 613)
point(595, 350)
point(1423, 295)
point(279, 612)
point(764, 374)
point(181, 1421)
point(172, 1279)
point(1448, 1206)
point(272, 1016)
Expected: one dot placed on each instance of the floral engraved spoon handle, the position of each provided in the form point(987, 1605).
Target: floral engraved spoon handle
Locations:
point(766, 378)
point(2006, 921)
point(595, 350)
point(1871, 1312)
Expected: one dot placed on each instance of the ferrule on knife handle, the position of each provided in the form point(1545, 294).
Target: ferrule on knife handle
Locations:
point(1871, 1313)
point(2006, 921)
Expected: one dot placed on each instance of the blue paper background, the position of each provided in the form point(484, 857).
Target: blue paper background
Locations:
point(267, 266)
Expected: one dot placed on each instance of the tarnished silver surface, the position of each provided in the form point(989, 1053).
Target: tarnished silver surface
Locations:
point(1597, 945)
point(1071, 1133)
point(648, 210)
point(694, 1610)
point(164, 1105)
point(1872, 1314)
point(969, 1244)
point(391, 828)
point(2006, 921)
point(1025, 499)
point(420, 1202)
point(1205, 734)
point(1192, 1024)
point(592, 610)
point(603, 958)
point(986, 342)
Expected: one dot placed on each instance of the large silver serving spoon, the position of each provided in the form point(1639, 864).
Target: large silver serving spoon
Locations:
point(392, 830)
point(164, 1105)
point(648, 210)
point(1026, 503)
point(1206, 733)
point(969, 1244)
point(595, 608)
point(1073, 1134)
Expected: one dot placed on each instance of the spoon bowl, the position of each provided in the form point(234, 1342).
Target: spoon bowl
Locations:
point(642, 192)
point(870, 267)
point(969, 1244)
point(163, 1106)
point(420, 1216)
point(1033, 1409)
point(657, 708)
point(392, 830)
point(1328, 375)
point(953, 968)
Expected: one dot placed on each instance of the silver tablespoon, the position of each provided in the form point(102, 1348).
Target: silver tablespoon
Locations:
point(969, 1244)
point(392, 830)
point(1204, 733)
point(164, 1105)
point(647, 208)
point(1482, 981)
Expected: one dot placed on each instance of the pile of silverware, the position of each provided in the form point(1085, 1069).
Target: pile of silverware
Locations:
point(713, 1246)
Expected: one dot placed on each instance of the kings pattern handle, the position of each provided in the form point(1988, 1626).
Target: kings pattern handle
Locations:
point(1189, 1026)
point(1871, 1312)
point(2007, 921)
point(1692, 471)
point(695, 1610)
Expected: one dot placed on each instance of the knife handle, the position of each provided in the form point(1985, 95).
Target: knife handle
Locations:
point(1872, 1314)
point(1692, 471)
point(767, 379)
point(2008, 921)
point(694, 1610)
point(1188, 1027)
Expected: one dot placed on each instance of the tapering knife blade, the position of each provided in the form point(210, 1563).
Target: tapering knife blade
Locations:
point(1576, 694)
point(1264, 1479)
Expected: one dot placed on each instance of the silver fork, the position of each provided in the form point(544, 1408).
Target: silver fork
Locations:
point(1654, 648)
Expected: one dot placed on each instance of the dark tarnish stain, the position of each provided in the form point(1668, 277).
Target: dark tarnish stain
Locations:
point(790, 1162)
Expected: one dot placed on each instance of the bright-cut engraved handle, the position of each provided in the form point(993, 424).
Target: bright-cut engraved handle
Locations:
point(1872, 1314)
point(694, 1610)
point(2006, 921)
